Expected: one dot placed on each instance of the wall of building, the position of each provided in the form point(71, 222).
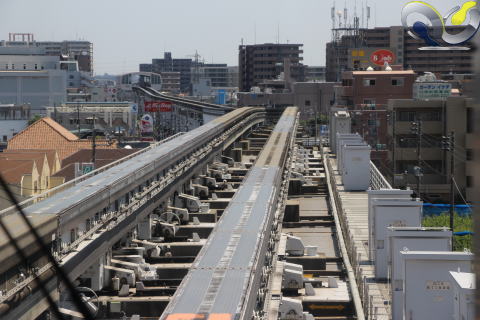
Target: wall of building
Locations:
point(438, 118)
point(37, 88)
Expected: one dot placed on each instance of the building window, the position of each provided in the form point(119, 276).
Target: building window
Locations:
point(406, 116)
point(5, 138)
point(369, 102)
point(469, 182)
point(398, 82)
point(469, 154)
point(369, 82)
point(307, 103)
point(429, 115)
point(470, 120)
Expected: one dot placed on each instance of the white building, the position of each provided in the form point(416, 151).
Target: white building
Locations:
point(13, 119)
point(28, 76)
point(110, 117)
point(39, 89)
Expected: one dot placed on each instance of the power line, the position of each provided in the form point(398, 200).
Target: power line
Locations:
point(459, 192)
point(82, 308)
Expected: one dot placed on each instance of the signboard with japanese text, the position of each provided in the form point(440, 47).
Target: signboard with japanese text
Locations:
point(158, 106)
point(432, 90)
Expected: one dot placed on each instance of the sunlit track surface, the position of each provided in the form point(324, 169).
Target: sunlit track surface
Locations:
point(225, 277)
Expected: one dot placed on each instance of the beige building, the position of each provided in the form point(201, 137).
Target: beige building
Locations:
point(28, 172)
point(438, 118)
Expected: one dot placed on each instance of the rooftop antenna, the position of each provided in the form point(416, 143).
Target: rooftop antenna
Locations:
point(345, 15)
point(363, 15)
point(333, 15)
point(368, 14)
point(278, 33)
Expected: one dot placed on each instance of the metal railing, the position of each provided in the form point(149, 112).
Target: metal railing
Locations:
point(377, 180)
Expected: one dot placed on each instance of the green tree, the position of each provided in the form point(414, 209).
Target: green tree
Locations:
point(34, 119)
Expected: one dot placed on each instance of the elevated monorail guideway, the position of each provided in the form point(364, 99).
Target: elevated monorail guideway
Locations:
point(225, 278)
point(93, 214)
point(204, 107)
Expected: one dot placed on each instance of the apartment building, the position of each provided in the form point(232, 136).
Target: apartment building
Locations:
point(169, 64)
point(261, 62)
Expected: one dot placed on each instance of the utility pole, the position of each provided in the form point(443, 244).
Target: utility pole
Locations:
point(94, 145)
point(394, 143)
point(417, 129)
point(448, 143)
point(78, 119)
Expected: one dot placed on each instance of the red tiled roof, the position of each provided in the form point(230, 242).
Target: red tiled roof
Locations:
point(47, 134)
point(13, 170)
point(49, 153)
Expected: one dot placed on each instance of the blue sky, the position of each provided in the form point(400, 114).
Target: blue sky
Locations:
point(126, 33)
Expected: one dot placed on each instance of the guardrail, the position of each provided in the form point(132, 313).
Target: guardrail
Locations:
point(71, 183)
point(377, 180)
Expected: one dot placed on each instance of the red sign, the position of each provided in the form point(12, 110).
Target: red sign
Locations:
point(379, 57)
point(158, 106)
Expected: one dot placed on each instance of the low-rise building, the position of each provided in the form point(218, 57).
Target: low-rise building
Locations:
point(113, 117)
point(13, 119)
point(438, 119)
point(366, 95)
point(28, 172)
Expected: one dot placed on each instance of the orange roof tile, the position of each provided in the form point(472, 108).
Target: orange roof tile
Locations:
point(49, 135)
point(13, 170)
point(50, 154)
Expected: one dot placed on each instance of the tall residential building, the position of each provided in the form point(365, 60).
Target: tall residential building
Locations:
point(169, 64)
point(261, 62)
point(80, 51)
point(371, 46)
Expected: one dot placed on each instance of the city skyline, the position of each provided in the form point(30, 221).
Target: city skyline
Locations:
point(216, 29)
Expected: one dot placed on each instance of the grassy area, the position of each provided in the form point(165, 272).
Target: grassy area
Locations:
point(460, 223)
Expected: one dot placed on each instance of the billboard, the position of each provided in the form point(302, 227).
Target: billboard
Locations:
point(158, 106)
point(432, 90)
point(362, 58)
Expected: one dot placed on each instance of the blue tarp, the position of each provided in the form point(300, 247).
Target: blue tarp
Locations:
point(463, 233)
point(438, 209)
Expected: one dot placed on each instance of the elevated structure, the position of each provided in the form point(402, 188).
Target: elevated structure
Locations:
point(228, 271)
